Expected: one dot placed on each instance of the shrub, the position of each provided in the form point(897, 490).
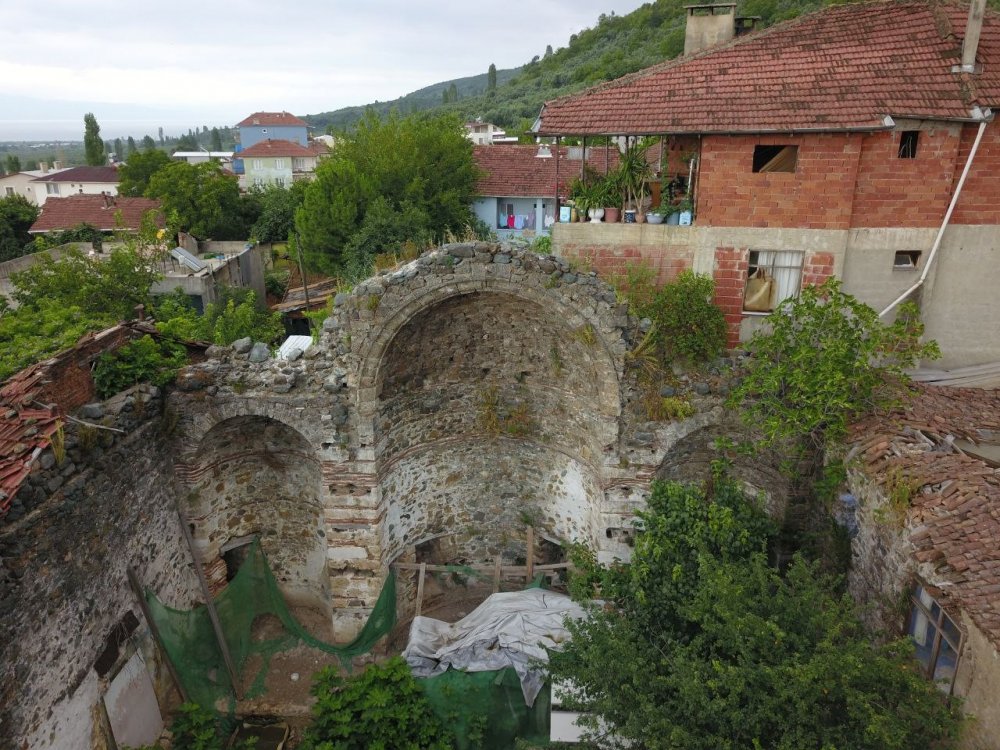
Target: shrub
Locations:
point(380, 709)
point(141, 361)
point(690, 325)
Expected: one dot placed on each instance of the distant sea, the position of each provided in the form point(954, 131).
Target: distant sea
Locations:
point(72, 129)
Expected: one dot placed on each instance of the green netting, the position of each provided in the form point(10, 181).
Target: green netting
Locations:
point(486, 709)
point(190, 641)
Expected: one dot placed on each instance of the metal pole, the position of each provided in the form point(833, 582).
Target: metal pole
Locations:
point(213, 615)
point(137, 590)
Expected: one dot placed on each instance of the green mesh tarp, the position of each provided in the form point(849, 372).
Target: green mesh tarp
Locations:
point(486, 709)
point(190, 641)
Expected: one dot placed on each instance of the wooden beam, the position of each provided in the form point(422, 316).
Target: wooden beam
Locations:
point(496, 575)
point(530, 556)
point(144, 606)
point(213, 615)
point(420, 587)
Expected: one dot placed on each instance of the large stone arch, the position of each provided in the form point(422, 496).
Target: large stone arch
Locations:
point(251, 475)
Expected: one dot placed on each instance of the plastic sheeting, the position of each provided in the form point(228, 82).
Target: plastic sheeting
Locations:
point(507, 630)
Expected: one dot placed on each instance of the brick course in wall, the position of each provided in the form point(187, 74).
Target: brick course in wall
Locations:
point(730, 276)
point(979, 202)
point(613, 260)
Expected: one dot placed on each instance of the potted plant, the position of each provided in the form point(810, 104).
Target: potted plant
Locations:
point(659, 214)
point(611, 195)
point(635, 171)
point(686, 209)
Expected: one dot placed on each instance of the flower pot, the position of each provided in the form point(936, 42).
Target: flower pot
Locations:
point(674, 218)
point(684, 219)
point(654, 218)
point(629, 216)
point(611, 215)
point(640, 217)
point(595, 215)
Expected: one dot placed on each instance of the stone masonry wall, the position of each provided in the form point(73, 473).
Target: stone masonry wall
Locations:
point(110, 503)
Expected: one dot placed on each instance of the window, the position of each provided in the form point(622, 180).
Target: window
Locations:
point(258, 163)
point(908, 144)
point(279, 182)
point(9, 190)
point(936, 638)
point(279, 163)
point(906, 260)
point(51, 188)
point(298, 163)
point(775, 158)
point(259, 181)
point(772, 276)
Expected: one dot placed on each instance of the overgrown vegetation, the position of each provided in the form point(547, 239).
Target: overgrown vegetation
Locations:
point(709, 646)
point(236, 314)
point(144, 360)
point(380, 709)
point(16, 217)
point(825, 361)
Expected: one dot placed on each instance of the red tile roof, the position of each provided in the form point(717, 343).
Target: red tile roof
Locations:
point(275, 148)
point(953, 520)
point(844, 67)
point(65, 213)
point(82, 174)
point(272, 119)
point(517, 172)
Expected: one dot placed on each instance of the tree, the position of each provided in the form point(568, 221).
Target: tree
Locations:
point(119, 152)
point(423, 162)
point(13, 162)
point(187, 143)
point(276, 218)
point(16, 217)
point(548, 50)
point(93, 146)
point(161, 136)
point(148, 144)
point(216, 144)
point(204, 200)
point(132, 148)
point(453, 93)
point(383, 707)
point(825, 361)
point(134, 174)
point(491, 78)
point(709, 647)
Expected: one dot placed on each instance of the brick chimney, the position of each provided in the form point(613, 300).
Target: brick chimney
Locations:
point(708, 25)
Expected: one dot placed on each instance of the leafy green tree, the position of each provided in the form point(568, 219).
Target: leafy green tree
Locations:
point(93, 146)
point(235, 315)
point(119, 153)
point(276, 215)
point(491, 78)
point(16, 217)
point(134, 174)
point(216, 143)
point(132, 148)
point(381, 708)
point(709, 647)
point(160, 134)
point(205, 201)
point(187, 143)
point(424, 162)
point(13, 163)
point(453, 93)
point(386, 230)
point(148, 144)
point(825, 361)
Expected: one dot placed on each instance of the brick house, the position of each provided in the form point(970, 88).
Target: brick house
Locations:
point(835, 143)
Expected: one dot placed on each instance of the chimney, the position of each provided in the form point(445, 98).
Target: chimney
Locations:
point(709, 25)
point(44, 166)
point(970, 44)
point(57, 164)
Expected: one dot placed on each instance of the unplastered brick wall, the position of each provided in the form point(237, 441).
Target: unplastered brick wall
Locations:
point(110, 504)
point(258, 477)
point(666, 261)
point(907, 192)
point(730, 276)
point(817, 195)
point(978, 203)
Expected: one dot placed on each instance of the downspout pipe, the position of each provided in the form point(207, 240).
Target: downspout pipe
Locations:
point(985, 118)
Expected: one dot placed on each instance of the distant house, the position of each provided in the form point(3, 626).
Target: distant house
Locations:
point(265, 126)
point(106, 213)
point(22, 183)
point(200, 157)
point(487, 134)
point(517, 187)
point(277, 162)
point(74, 181)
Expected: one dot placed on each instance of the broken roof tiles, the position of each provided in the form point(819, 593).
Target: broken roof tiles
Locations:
point(953, 519)
point(841, 68)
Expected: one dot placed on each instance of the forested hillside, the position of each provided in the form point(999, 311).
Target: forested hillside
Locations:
point(615, 46)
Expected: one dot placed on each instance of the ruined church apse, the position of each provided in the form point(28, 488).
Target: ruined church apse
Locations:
point(258, 476)
point(493, 414)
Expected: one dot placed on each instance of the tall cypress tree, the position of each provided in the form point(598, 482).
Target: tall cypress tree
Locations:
point(93, 146)
point(491, 78)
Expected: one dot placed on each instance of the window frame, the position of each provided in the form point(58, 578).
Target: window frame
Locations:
point(279, 163)
point(52, 188)
point(753, 266)
point(909, 144)
point(940, 633)
point(767, 160)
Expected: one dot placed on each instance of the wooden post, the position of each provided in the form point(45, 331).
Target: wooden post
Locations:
point(420, 587)
point(496, 575)
point(530, 556)
point(210, 605)
point(137, 590)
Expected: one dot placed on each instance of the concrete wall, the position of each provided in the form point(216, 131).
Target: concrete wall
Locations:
point(110, 504)
point(18, 184)
point(67, 189)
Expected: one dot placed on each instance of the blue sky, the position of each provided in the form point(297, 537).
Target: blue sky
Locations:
point(139, 65)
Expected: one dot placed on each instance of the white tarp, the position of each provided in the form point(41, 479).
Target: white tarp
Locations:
point(507, 630)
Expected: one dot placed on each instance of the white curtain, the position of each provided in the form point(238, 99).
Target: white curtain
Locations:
point(785, 267)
